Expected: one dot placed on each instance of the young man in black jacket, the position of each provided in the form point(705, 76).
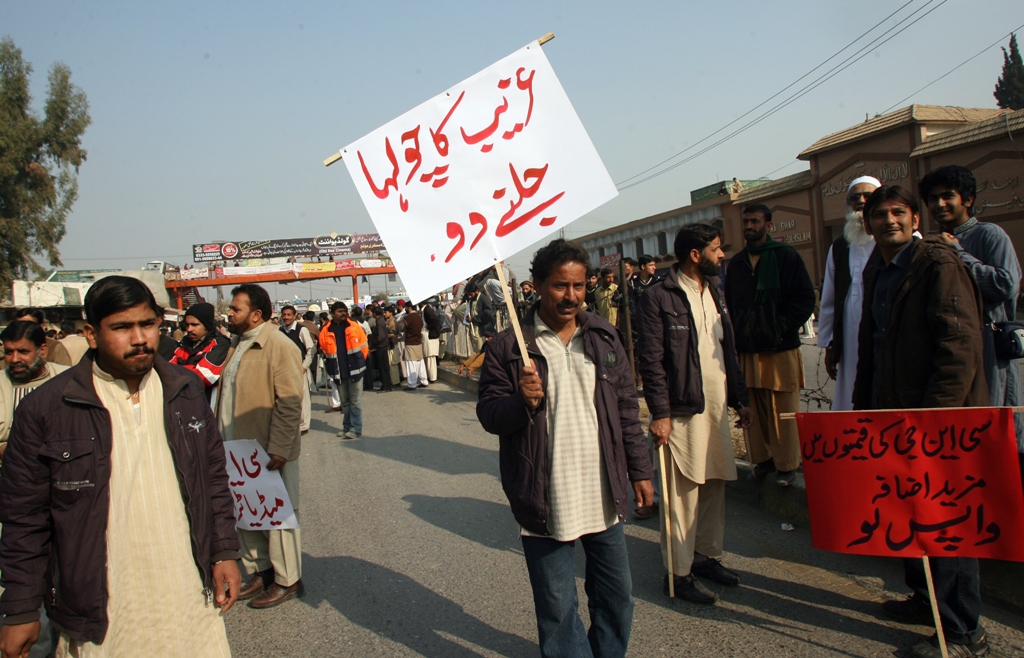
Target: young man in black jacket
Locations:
point(115, 484)
point(770, 296)
point(567, 480)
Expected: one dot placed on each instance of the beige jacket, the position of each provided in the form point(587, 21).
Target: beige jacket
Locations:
point(268, 393)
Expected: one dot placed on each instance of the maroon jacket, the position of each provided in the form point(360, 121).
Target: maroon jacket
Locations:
point(523, 432)
point(54, 497)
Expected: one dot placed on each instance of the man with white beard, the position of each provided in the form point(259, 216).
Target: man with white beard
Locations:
point(842, 294)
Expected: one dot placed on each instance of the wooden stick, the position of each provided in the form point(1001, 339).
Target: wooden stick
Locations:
point(337, 156)
point(791, 416)
point(666, 518)
point(513, 317)
point(935, 607)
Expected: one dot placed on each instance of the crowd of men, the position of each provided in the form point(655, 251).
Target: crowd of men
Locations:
point(102, 441)
point(907, 322)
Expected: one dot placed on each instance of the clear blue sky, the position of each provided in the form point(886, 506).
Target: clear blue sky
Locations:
point(211, 119)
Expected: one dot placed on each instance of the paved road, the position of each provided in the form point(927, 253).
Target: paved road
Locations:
point(409, 549)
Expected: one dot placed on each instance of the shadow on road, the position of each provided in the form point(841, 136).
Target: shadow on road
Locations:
point(491, 524)
point(418, 616)
point(439, 455)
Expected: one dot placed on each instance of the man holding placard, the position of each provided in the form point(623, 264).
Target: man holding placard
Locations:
point(691, 373)
point(920, 347)
point(570, 435)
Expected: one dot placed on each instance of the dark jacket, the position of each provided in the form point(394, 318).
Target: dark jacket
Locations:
point(931, 355)
point(772, 326)
point(379, 338)
point(55, 488)
point(432, 321)
point(413, 323)
point(483, 315)
point(668, 358)
point(523, 432)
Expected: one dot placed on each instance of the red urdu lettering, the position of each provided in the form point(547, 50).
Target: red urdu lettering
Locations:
point(438, 136)
point(476, 219)
point(455, 232)
point(390, 182)
point(489, 130)
point(412, 154)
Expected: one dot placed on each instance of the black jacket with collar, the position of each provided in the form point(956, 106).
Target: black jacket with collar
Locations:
point(668, 358)
point(772, 326)
point(54, 497)
point(523, 432)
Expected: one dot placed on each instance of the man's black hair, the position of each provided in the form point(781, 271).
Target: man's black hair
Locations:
point(356, 313)
point(24, 329)
point(68, 327)
point(555, 253)
point(288, 307)
point(605, 271)
point(890, 193)
point(694, 236)
point(114, 294)
point(629, 261)
point(259, 299)
point(338, 305)
point(36, 313)
point(761, 208)
point(309, 316)
point(643, 260)
point(593, 271)
point(954, 177)
point(377, 310)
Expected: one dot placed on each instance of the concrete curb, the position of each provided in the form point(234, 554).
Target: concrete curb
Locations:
point(1000, 581)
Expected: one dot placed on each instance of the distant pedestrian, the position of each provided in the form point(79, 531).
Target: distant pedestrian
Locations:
point(203, 350)
point(432, 337)
point(345, 349)
point(297, 333)
point(380, 343)
point(261, 399)
point(309, 322)
point(73, 341)
point(412, 327)
point(570, 440)
point(842, 293)
point(770, 296)
point(605, 297)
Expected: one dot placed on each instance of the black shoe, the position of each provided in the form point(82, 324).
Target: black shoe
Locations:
point(712, 569)
point(785, 478)
point(690, 589)
point(930, 648)
point(911, 610)
point(763, 469)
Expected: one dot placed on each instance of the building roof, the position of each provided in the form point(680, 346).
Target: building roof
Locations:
point(979, 131)
point(910, 114)
point(785, 184)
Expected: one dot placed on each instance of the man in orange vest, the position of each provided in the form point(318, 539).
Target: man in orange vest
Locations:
point(343, 344)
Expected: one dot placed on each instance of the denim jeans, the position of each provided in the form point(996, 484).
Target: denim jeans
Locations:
point(351, 396)
point(957, 590)
point(609, 594)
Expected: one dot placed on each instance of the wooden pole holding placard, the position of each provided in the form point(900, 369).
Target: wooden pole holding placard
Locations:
point(334, 157)
point(666, 517)
point(935, 606)
point(513, 317)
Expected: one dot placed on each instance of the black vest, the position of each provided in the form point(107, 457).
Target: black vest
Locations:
point(294, 335)
point(842, 282)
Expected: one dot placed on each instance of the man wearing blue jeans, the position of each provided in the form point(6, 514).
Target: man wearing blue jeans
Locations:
point(343, 344)
point(570, 443)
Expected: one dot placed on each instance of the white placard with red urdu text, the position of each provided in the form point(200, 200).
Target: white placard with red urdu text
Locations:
point(261, 501)
point(478, 173)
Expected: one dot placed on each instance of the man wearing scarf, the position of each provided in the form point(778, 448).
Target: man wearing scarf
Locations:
point(770, 296)
point(842, 293)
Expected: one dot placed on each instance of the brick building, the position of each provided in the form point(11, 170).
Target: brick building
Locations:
point(809, 207)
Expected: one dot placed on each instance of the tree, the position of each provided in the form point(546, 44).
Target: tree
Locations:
point(1010, 85)
point(39, 162)
point(380, 296)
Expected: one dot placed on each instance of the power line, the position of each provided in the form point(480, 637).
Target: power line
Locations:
point(978, 54)
point(845, 64)
point(762, 103)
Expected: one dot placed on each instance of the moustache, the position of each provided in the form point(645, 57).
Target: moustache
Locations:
point(139, 351)
point(568, 305)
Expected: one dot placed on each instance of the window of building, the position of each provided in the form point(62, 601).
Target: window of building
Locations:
point(618, 248)
point(662, 243)
point(639, 247)
point(600, 252)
